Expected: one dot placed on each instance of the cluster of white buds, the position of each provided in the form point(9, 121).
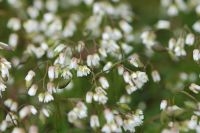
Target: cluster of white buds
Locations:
point(78, 112)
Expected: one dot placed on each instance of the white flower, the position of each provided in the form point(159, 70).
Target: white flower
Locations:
point(163, 104)
point(89, 96)
point(100, 95)
point(134, 60)
point(126, 77)
point(2, 88)
point(11, 118)
point(45, 97)
point(14, 106)
point(5, 66)
point(126, 27)
point(172, 10)
point(14, 24)
point(66, 74)
point(139, 78)
point(104, 83)
point(163, 24)
point(193, 122)
point(3, 125)
point(196, 26)
point(74, 63)
point(171, 43)
point(80, 111)
point(196, 55)
point(8, 102)
point(126, 48)
point(109, 116)
point(155, 75)
point(45, 112)
point(93, 60)
point(51, 5)
point(27, 110)
point(194, 88)
point(148, 38)
point(31, 26)
point(51, 87)
point(94, 121)
point(130, 89)
point(72, 116)
point(107, 66)
point(120, 70)
point(81, 46)
point(48, 97)
point(18, 130)
point(33, 129)
point(83, 71)
point(119, 120)
point(51, 72)
point(13, 40)
point(30, 76)
point(190, 38)
point(59, 48)
point(33, 89)
point(106, 129)
point(133, 120)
